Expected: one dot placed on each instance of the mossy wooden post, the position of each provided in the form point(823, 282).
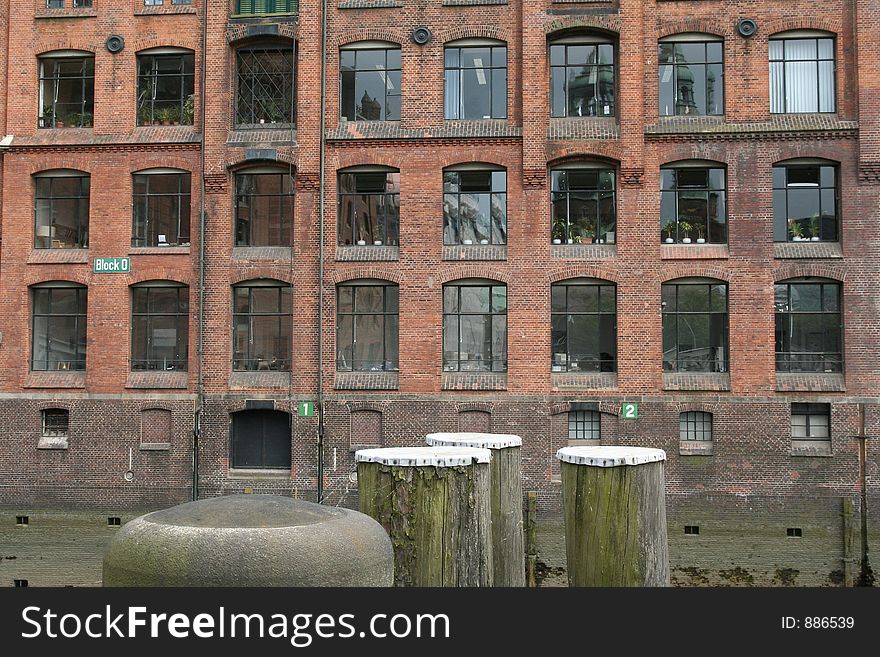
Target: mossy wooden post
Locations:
point(506, 498)
point(434, 504)
point(615, 516)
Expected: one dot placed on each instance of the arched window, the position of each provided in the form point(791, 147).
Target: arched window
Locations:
point(693, 203)
point(691, 75)
point(367, 326)
point(805, 200)
point(264, 207)
point(476, 79)
point(264, 84)
point(67, 89)
point(802, 77)
point(582, 76)
point(475, 326)
point(584, 326)
point(261, 439)
point(62, 209)
point(695, 326)
point(369, 206)
point(474, 205)
point(369, 81)
point(262, 326)
point(582, 195)
point(159, 326)
point(584, 425)
point(809, 332)
point(165, 86)
point(161, 202)
point(59, 326)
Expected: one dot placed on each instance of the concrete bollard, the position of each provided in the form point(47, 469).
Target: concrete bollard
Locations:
point(614, 500)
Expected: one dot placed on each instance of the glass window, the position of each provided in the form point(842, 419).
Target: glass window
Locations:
point(474, 207)
point(691, 78)
point(67, 92)
point(264, 92)
point(56, 422)
point(263, 209)
point(370, 84)
point(369, 208)
point(584, 206)
point(366, 328)
point(802, 75)
point(584, 327)
point(584, 425)
point(695, 425)
point(475, 328)
point(809, 335)
point(59, 328)
point(582, 79)
point(261, 439)
point(476, 82)
point(250, 7)
point(811, 421)
point(693, 205)
point(62, 212)
point(159, 327)
point(805, 201)
point(77, 4)
point(165, 89)
point(262, 325)
point(55, 4)
point(694, 327)
point(161, 209)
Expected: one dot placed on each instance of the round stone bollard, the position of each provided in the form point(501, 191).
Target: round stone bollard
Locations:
point(250, 540)
point(615, 516)
point(505, 487)
point(434, 503)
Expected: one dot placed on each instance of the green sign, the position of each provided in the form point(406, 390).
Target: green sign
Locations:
point(306, 409)
point(629, 411)
point(111, 265)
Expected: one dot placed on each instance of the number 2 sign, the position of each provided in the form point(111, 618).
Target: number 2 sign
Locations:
point(629, 411)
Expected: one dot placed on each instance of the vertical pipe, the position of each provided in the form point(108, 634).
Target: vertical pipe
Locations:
point(866, 575)
point(321, 156)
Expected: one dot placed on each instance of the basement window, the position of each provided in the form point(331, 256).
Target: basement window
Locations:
point(692, 530)
point(113, 521)
point(21, 520)
point(794, 532)
point(20, 583)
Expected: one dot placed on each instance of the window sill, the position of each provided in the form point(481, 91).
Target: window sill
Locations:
point(784, 250)
point(369, 4)
point(695, 448)
point(583, 380)
point(475, 252)
point(165, 9)
point(693, 251)
point(61, 256)
point(810, 382)
point(155, 447)
point(717, 381)
point(292, 15)
point(366, 381)
point(474, 381)
point(583, 251)
point(820, 448)
point(583, 127)
point(159, 250)
point(52, 442)
point(258, 473)
point(63, 379)
point(157, 380)
point(585, 442)
point(248, 380)
point(462, 3)
point(262, 253)
point(367, 253)
point(66, 12)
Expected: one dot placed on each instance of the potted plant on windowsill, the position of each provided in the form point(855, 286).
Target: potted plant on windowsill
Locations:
point(795, 230)
point(685, 229)
point(668, 232)
point(559, 230)
point(814, 228)
point(174, 115)
point(46, 119)
point(188, 110)
point(700, 238)
point(163, 115)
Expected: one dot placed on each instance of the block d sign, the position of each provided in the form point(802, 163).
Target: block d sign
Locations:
point(111, 265)
point(629, 411)
point(306, 409)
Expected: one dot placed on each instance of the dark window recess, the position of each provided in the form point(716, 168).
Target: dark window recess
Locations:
point(805, 202)
point(809, 332)
point(20, 583)
point(694, 327)
point(367, 328)
point(475, 328)
point(264, 209)
point(811, 421)
point(67, 92)
point(159, 327)
point(474, 207)
point(693, 205)
point(692, 529)
point(691, 78)
point(583, 328)
point(369, 208)
point(262, 324)
point(795, 532)
point(56, 422)
point(802, 75)
point(261, 439)
point(265, 85)
point(370, 84)
point(476, 82)
point(62, 212)
point(161, 209)
point(59, 328)
point(584, 425)
point(21, 520)
point(113, 521)
point(165, 89)
point(583, 206)
point(582, 79)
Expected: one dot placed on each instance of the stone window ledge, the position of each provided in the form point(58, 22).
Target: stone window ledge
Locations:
point(695, 448)
point(583, 380)
point(473, 381)
point(159, 250)
point(353, 448)
point(563, 128)
point(258, 473)
point(367, 253)
point(55, 380)
point(369, 4)
point(817, 382)
point(585, 443)
point(155, 447)
point(718, 381)
point(52, 442)
point(366, 381)
point(463, 3)
point(157, 380)
point(793, 250)
point(248, 380)
point(583, 251)
point(66, 12)
point(693, 251)
point(60, 256)
point(164, 9)
point(262, 253)
point(821, 448)
point(475, 252)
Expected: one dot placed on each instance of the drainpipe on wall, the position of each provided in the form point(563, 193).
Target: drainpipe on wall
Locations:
point(866, 575)
point(320, 404)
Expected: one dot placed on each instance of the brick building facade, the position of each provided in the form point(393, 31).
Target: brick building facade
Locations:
point(652, 155)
